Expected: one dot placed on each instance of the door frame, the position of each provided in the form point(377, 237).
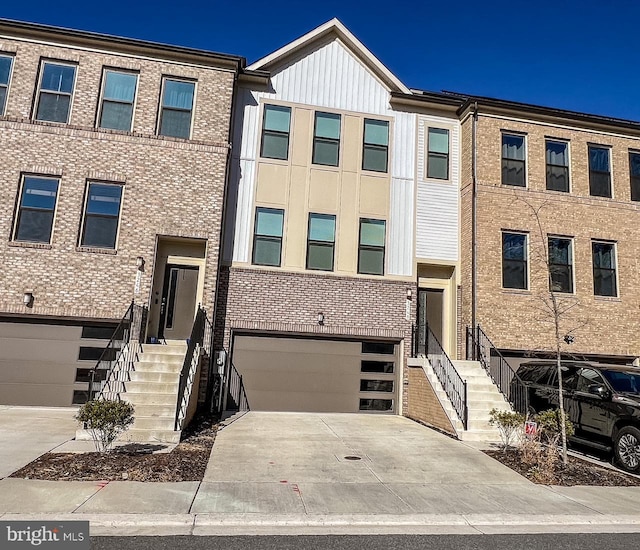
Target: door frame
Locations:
point(164, 304)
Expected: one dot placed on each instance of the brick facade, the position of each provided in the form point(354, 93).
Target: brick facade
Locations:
point(513, 319)
point(422, 403)
point(172, 187)
point(257, 300)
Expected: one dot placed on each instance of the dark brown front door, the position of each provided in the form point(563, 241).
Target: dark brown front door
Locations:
point(178, 306)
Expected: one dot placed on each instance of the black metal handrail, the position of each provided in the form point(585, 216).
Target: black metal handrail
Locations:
point(426, 343)
point(199, 344)
point(236, 391)
point(107, 378)
point(480, 348)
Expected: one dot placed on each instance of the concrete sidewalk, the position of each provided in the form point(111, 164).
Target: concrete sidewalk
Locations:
point(288, 473)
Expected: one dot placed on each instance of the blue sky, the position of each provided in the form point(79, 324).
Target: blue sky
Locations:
point(572, 54)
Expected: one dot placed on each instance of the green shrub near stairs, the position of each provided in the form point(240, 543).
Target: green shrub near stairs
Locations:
point(105, 420)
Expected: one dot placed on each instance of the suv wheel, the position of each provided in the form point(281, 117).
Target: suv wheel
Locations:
point(627, 448)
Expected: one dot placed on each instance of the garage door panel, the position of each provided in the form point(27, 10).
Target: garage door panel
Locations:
point(314, 375)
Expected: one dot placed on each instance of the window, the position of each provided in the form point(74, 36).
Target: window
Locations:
point(35, 213)
point(5, 75)
point(102, 212)
point(557, 166)
point(267, 236)
point(376, 145)
point(384, 348)
point(56, 92)
point(326, 139)
point(321, 241)
point(376, 404)
point(514, 260)
point(175, 112)
point(438, 154)
point(561, 264)
point(599, 172)
point(376, 385)
point(588, 378)
point(513, 160)
point(634, 173)
point(275, 132)
point(118, 94)
point(371, 248)
point(604, 269)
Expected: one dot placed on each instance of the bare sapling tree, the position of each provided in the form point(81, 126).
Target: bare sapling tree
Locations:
point(559, 308)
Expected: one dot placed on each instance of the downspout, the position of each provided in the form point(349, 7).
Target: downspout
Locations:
point(474, 220)
point(227, 176)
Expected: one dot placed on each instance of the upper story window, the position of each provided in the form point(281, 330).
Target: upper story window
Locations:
point(561, 264)
point(514, 261)
point(6, 62)
point(36, 207)
point(118, 96)
point(513, 160)
point(599, 171)
point(371, 246)
point(557, 155)
point(438, 154)
point(176, 108)
point(375, 152)
point(55, 92)
point(321, 242)
point(276, 125)
point(604, 268)
point(326, 139)
point(634, 175)
point(267, 236)
point(101, 215)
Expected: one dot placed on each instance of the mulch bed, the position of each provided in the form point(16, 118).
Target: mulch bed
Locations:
point(576, 472)
point(186, 462)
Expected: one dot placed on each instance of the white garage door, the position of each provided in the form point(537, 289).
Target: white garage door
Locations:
point(316, 375)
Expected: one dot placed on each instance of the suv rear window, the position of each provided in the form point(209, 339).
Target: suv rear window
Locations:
point(625, 382)
point(536, 374)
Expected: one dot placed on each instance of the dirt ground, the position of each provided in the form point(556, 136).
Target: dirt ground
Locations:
point(186, 462)
point(576, 472)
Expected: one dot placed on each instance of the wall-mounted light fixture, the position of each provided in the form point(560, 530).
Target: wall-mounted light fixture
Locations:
point(569, 339)
point(140, 263)
point(321, 318)
point(409, 294)
point(27, 299)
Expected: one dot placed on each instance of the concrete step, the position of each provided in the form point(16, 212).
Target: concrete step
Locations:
point(155, 410)
point(154, 423)
point(154, 376)
point(463, 363)
point(177, 358)
point(150, 398)
point(483, 407)
point(148, 436)
point(174, 348)
point(480, 435)
point(151, 387)
point(158, 366)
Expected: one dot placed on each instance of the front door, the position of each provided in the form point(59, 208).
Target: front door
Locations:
point(430, 314)
point(178, 306)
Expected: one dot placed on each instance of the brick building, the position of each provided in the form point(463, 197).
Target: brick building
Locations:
point(581, 173)
point(115, 155)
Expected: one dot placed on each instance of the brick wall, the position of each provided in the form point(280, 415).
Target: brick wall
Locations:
point(515, 318)
point(423, 403)
point(172, 187)
point(274, 301)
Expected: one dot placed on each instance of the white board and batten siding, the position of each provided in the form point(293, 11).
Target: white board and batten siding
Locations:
point(331, 77)
point(437, 208)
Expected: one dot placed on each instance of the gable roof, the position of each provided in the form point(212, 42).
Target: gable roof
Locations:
point(336, 28)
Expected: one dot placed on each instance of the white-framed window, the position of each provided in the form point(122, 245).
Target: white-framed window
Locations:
point(605, 278)
point(513, 160)
point(326, 139)
point(6, 64)
point(117, 100)
point(375, 147)
point(438, 153)
point(101, 215)
point(515, 271)
point(267, 236)
point(55, 91)
point(561, 264)
point(321, 241)
point(371, 246)
point(176, 107)
point(36, 209)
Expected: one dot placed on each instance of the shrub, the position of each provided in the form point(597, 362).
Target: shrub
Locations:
point(549, 426)
point(508, 423)
point(105, 420)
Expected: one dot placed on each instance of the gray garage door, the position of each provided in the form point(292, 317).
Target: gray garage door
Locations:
point(315, 375)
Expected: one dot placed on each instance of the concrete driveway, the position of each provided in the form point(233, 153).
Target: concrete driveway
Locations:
point(28, 432)
point(292, 463)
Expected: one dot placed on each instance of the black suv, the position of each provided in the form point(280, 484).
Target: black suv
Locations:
point(602, 401)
